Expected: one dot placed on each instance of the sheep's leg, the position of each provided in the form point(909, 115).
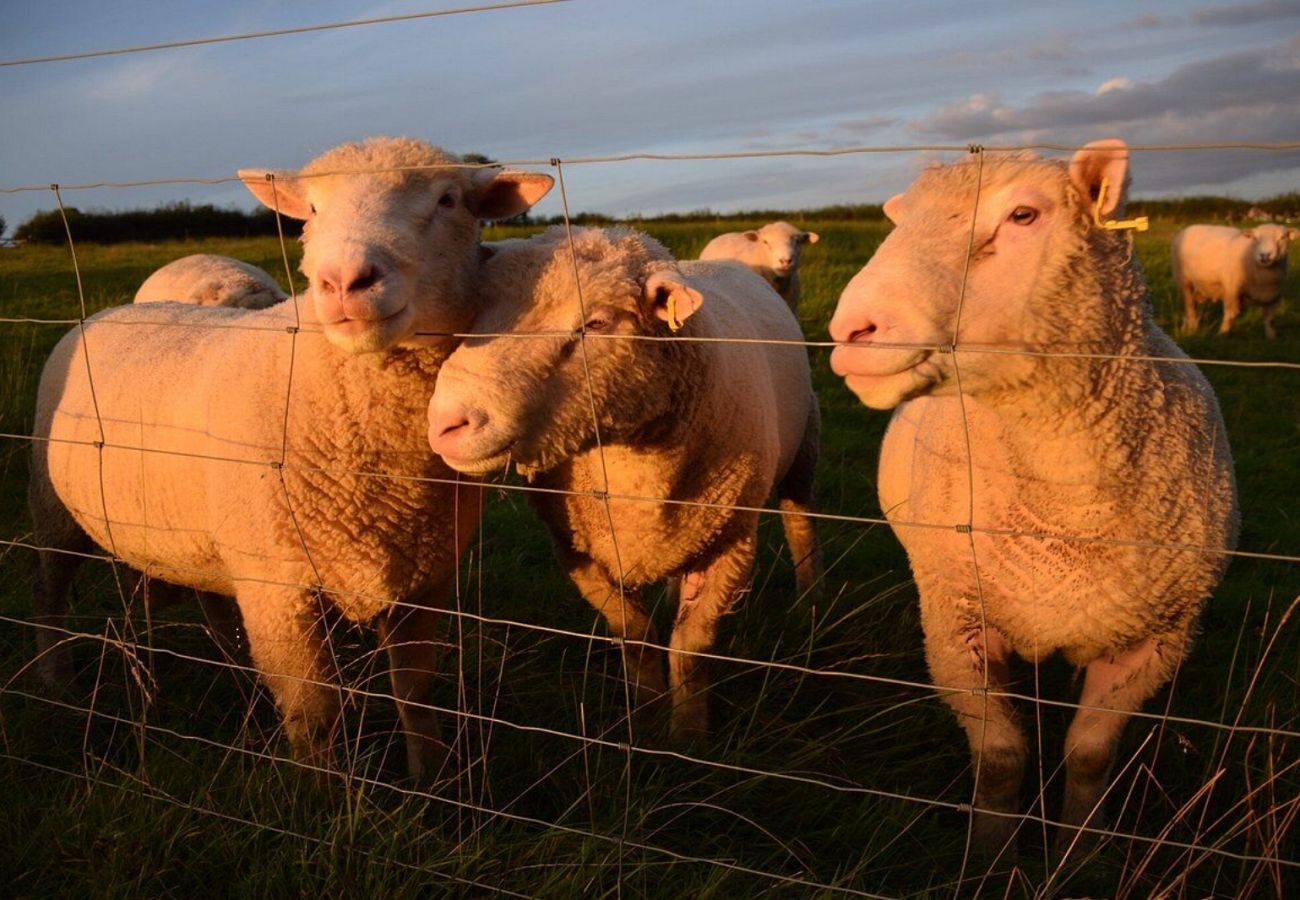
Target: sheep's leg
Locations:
point(626, 618)
point(963, 657)
point(1191, 312)
point(224, 624)
point(50, 602)
point(707, 595)
point(409, 634)
point(1231, 309)
point(1114, 687)
point(61, 540)
point(287, 643)
point(796, 498)
point(1269, 311)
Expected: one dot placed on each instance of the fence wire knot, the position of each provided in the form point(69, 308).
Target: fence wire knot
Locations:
point(555, 161)
point(975, 149)
point(962, 528)
point(291, 329)
point(946, 348)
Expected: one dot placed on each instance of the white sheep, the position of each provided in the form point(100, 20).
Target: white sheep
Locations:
point(1097, 485)
point(279, 455)
point(688, 438)
point(772, 251)
point(1214, 262)
point(207, 279)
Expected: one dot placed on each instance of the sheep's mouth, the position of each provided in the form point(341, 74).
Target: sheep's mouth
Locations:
point(886, 389)
point(479, 465)
point(847, 360)
point(353, 325)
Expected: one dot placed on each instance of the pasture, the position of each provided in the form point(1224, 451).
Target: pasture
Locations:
point(834, 765)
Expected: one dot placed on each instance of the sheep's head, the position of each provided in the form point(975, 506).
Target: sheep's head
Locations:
point(390, 244)
point(549, 371)
point(781, 243)
point(1270, 243)
point(1032, 275)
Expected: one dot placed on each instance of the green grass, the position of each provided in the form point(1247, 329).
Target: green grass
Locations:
point(164, 780)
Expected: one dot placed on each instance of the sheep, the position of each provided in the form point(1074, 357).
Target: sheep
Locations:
point(211, 280)
point(207, 279)
point(1213, 262)
point(772, 251)
point(1088, 499)
point(279, 455)
point(702, 433)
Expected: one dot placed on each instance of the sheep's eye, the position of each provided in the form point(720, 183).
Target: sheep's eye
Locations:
point(1023, 215)
point(596, 323)
point(447, 200)
point(312, 207)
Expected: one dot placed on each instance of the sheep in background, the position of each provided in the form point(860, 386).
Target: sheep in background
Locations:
point(207, 279)
point(284, 460)
point(694, 429)
point(772, 251)
point(1084, 467)
point(1241, 268)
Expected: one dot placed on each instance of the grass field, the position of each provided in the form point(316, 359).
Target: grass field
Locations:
point(165, 782)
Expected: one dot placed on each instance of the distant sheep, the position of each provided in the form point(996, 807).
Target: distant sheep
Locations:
point(703, 433)
point(772, 251)
point(1241, 268)
point(210, 280)
point(285, 462)
point(1103, 502)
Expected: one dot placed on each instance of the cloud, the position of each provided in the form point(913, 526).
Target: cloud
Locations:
point(1151, 22)
point(1247, 96)
point(1247, 13)
point(1112, 84)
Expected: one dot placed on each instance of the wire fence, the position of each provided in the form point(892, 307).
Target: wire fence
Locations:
point(1234, 813)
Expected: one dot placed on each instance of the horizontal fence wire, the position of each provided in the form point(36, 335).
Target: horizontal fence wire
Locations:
point(279, 32)
point(612, 745)
point(721, 156)
point(626, 839)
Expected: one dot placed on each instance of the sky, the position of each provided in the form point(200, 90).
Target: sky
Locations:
point(607, 77)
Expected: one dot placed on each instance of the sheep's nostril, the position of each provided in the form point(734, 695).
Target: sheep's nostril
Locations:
point(861, 333)
point(366, 279)
point(452, 424)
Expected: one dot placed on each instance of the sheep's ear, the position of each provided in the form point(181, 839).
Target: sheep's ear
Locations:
point(671, 299)
point(750, 235)
point(286, 194)
point(1102, 161)
point(893, 208)
point(808, 237)
point(498, 194)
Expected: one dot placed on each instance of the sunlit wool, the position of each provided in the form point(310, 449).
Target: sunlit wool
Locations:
point(719, 424)
point(210, 280)
point(199, 406)
point(1099, 488)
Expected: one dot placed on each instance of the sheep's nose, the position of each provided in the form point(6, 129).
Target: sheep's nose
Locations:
point(349, 278)
point(853, 329)
point(450, 422)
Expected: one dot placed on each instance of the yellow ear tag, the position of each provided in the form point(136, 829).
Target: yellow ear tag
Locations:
point(1138, 224)
point(674, 323)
